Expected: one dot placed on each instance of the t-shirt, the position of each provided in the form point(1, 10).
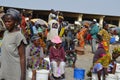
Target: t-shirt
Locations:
point(54, 26)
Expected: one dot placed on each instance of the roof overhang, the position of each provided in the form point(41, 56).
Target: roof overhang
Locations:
point(106, 7)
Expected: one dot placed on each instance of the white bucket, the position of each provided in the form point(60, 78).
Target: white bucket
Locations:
point(29, 73)
point(118, 67)
point(111, 77)
point(95, 77)
point(42, 74)
point(118, 75)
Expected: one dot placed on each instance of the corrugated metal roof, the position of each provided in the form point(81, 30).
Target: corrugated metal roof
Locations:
point(102, 7)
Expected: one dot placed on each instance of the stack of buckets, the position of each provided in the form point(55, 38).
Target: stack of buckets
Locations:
point(79, 74)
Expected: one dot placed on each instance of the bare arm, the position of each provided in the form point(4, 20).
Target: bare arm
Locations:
point(21, 50)
point(114, 69)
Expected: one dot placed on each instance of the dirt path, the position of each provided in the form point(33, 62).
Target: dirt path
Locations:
point(85, 62)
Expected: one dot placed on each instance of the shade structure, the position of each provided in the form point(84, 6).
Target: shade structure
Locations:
point(40, 21)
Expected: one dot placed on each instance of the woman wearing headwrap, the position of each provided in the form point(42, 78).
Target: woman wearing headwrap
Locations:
point(105, 34)
point(81, 34)
point(35, 56)
point(13, 61)
point(101, 58)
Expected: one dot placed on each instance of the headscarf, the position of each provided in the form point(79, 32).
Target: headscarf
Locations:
point(34, 37)
point(15, 14)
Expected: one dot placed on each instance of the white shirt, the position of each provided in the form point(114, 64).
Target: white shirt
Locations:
point(54, 26)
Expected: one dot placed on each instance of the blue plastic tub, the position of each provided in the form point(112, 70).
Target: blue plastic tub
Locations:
point(79, 74)
point(112, 40)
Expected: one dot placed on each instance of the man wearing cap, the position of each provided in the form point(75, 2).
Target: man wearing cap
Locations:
point(94, 31)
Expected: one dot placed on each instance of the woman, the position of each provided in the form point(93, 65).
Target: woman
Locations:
point(105, 34)
point(101, 59)
point(13, 64)
point(57, 58)
point(35, 56)
point(71, 55)
point(81, 35)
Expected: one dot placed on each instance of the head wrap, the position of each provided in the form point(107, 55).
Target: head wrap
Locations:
point(86, 24)
point(34, 37)
point(15, 14)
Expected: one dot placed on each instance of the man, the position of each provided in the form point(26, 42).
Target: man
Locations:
point(94, 31)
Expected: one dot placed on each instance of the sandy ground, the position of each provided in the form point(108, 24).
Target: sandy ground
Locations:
point(84, 62)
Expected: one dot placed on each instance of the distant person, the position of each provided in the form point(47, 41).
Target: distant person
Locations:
point(1, 12)
point(101, 59)
point(23, 22)
point(53, 26)
point(105, 34)
point(13, 60)
point(51, 15)
point(81, 35)
point(94, 31)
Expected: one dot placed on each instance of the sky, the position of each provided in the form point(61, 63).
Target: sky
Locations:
point(102, 7)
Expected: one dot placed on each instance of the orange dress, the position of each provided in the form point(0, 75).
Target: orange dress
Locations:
point(80, 37)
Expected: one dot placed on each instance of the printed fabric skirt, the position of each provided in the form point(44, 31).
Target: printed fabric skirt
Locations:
point(37, 64)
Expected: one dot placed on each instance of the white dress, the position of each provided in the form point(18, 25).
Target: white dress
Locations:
point(54, 26)
point(10, 59)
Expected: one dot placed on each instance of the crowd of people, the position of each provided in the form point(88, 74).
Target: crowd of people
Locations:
point(26, 43)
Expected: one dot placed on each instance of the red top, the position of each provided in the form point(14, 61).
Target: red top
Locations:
point(57, 54)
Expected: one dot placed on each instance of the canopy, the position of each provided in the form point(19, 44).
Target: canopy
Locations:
point(40, 21)
point(102, 7)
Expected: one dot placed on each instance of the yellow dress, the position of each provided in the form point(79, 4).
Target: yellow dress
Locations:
point(105, 60)
point(105, 35)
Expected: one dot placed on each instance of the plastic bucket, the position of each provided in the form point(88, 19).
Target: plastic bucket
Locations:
point(118, 68)
point(111, 77)
point(29, 73)
point(79, 74)
point(118, 75)
point(112, 40)
point(42, 74)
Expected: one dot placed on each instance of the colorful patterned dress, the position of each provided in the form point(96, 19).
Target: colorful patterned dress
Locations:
point(106, 58)
point(80, 37)
point(105, 35)
point(35, 59)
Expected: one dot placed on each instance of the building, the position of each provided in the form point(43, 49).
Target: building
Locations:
point(72, 10)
